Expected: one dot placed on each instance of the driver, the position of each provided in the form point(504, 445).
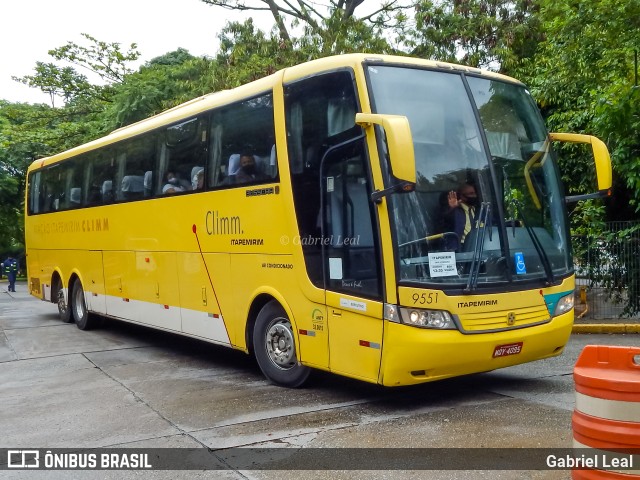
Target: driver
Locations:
point(462, 210)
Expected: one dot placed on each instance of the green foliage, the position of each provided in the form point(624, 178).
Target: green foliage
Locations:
point(329, 27)
point(57, 81)
point(102, 58)
point(16, 153)
point(162, 83)
point(494, 34)
point(583, 77)
point(29, 132)
point(246, 54)
point(339, 34)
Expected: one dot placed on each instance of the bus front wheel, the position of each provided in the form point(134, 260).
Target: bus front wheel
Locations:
point(84, 319)
point(275, 349)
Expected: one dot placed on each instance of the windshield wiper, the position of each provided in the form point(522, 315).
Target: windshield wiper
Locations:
point(481, 225)
point(546, 264)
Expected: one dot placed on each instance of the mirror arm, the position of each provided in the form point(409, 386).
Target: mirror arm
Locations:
point(378, 195)
point(587, 196)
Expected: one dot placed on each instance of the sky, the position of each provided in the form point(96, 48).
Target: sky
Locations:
point(30, 28)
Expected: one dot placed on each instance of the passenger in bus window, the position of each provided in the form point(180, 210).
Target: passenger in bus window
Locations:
point(174, 184)
point(248, 172)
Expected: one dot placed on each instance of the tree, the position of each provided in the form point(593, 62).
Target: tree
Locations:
point(56, 81)
point(17, 151)
point(494, 34)
point(161, 83)
point(328, 25)
point(584, 77)
point(29, 132)
point(246, 53)
point(104, 60)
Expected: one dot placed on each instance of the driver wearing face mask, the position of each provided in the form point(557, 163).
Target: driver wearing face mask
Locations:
point(248, 172)
point(463, 210)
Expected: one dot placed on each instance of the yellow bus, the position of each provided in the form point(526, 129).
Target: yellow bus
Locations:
point(311, 219)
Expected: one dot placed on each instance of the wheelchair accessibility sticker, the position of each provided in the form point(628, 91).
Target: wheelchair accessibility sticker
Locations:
point(521, 268)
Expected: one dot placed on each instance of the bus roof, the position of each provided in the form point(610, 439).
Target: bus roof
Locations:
point(206, 102)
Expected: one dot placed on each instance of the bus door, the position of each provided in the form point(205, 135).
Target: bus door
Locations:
point(351, 259)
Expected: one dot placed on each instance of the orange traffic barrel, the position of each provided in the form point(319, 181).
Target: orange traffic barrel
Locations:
point(606, 418)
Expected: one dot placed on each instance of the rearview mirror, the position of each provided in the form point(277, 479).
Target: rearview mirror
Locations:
point(601, 158)
point(400, 145)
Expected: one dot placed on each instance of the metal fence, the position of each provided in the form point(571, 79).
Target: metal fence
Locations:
point(608, 273)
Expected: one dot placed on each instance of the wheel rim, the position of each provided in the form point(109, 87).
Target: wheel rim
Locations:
point(79, 303)
point(280, 345)
point(62, 304)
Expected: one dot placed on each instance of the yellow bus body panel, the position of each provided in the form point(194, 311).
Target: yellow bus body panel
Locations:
point(413, 355)
point(416, 355)
point(355, 336)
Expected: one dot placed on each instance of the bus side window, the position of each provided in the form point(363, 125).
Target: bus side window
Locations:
point(137, 157)
point(74, 181)
point(45, 190)
point(58, 197)
point(100, 171)
point(183, 152)
point(35, 192)
point(247, 128)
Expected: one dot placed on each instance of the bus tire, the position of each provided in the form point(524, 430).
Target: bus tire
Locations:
point(64, 311)
point(84, 319)
point(275, 349)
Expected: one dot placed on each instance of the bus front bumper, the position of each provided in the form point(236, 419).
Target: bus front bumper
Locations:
point(413, 355)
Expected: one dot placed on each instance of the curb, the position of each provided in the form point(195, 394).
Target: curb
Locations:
point(606, 328)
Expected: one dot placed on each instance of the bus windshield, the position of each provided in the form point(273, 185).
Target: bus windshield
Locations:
point(488, 206)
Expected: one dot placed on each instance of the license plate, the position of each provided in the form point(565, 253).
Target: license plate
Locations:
point(510, 349)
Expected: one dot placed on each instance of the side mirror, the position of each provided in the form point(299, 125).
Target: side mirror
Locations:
point(601, 158)
point(400, 145)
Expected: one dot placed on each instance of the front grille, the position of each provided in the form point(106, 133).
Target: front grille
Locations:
point(503, 319)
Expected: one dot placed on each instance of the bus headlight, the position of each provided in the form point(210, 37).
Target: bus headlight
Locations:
point(438, 319)
point(564, 305)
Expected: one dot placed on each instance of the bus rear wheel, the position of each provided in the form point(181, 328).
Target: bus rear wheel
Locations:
point(64, 312)
point(84, 319)
point(275, 349)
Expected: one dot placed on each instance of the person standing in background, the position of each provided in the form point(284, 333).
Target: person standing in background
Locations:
point(10, 269)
